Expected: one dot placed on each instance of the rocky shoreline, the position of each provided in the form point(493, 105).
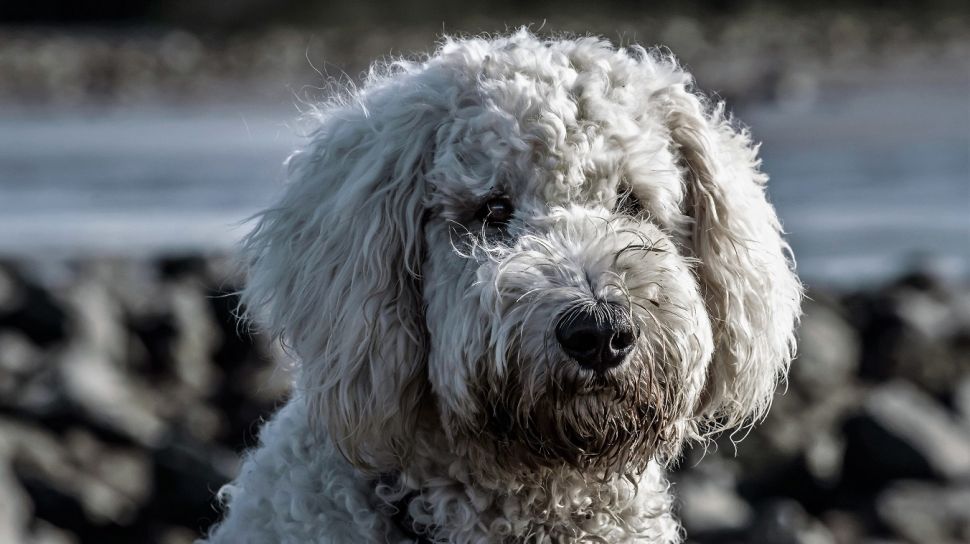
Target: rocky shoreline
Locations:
point(128, 388)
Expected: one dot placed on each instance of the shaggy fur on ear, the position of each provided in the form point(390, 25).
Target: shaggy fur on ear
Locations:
point(442, 224)
point(744, 266)
point(335, 269)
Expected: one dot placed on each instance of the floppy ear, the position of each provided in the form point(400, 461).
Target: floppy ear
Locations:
point(744, 269)
point(334, 272)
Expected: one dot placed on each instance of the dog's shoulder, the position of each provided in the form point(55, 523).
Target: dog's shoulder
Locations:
point(295, 487)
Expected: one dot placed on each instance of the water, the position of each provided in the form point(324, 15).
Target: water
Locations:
point(135, 182)
point(873, 181)
point(866, 180)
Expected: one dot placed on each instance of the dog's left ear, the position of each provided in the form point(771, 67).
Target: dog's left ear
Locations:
point(334, 270)
point(744, 267)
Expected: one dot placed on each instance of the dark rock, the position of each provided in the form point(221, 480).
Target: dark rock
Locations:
point(156, 333)
point(28, 308)
point(186, 476)
point(914, 330)
point(798, 449)
point(903, 433)
point(254, 384)
point(178, 266)
point(921, 279)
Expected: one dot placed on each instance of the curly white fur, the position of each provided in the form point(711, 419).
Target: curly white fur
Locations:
point(433, 398)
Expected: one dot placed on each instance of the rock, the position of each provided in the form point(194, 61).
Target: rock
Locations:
point(75, 477)
point(186, 474)
point(181, 265)
point(708, 500)
point(178, 337)
point(143, 359)
point(198, 337)
point(113, 398)
point(20, 362)
point(917, 330)
point(29, 309)
point(45, 533)
point(924, 513)
point(798, 448)
point(904, 433)
point(828, 349)
point(797, 451)
point(823, 458)
point(15, 507)
point(961, 400)
point(786, 522)
point(847, 527)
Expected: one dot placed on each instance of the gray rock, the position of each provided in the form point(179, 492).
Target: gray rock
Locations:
point(20, 361)
point(828, 349)
point(708, 500)
point(15, 507)
point(45, 533)
point(925, 513)
point(961, 400)
point(786, 522)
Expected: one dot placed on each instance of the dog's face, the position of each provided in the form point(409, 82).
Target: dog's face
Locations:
point(563, 315)
point(551, 244)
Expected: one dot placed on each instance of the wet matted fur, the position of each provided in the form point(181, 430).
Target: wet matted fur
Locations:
point(443, 218)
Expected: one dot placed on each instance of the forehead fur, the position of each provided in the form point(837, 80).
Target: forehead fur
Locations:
point(558, 120)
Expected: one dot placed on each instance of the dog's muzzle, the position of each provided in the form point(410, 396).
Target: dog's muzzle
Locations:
point(599, 337)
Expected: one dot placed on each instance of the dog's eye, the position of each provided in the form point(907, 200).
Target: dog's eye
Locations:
point(628, 204)
point(496, 211)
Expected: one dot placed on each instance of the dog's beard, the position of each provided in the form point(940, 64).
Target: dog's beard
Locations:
point(599, 424)
point(532, 406)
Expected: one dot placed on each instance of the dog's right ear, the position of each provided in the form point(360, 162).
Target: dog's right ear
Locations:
point(334, 271)
point(743, 266)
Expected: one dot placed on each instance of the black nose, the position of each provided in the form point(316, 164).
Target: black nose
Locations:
point(599, 337)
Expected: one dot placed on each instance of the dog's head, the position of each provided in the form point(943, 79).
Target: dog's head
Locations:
point(554, 248)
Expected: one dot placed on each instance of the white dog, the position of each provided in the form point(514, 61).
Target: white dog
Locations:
point(518, 275)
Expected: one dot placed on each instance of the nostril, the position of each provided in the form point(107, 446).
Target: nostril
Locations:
point(581, 342)
point(622, 340)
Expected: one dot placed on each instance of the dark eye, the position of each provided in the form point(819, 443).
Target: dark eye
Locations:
point(627, 203)
point(497, 210)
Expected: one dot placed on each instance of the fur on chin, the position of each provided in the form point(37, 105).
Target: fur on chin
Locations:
point(593, 425)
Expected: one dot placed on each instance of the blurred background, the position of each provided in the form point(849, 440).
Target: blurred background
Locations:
point(137, 136)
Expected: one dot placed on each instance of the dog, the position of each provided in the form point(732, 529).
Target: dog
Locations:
point(519, 275)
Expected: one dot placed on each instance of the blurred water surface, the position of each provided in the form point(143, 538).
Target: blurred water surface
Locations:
point(136, 182)
point(868, 176)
